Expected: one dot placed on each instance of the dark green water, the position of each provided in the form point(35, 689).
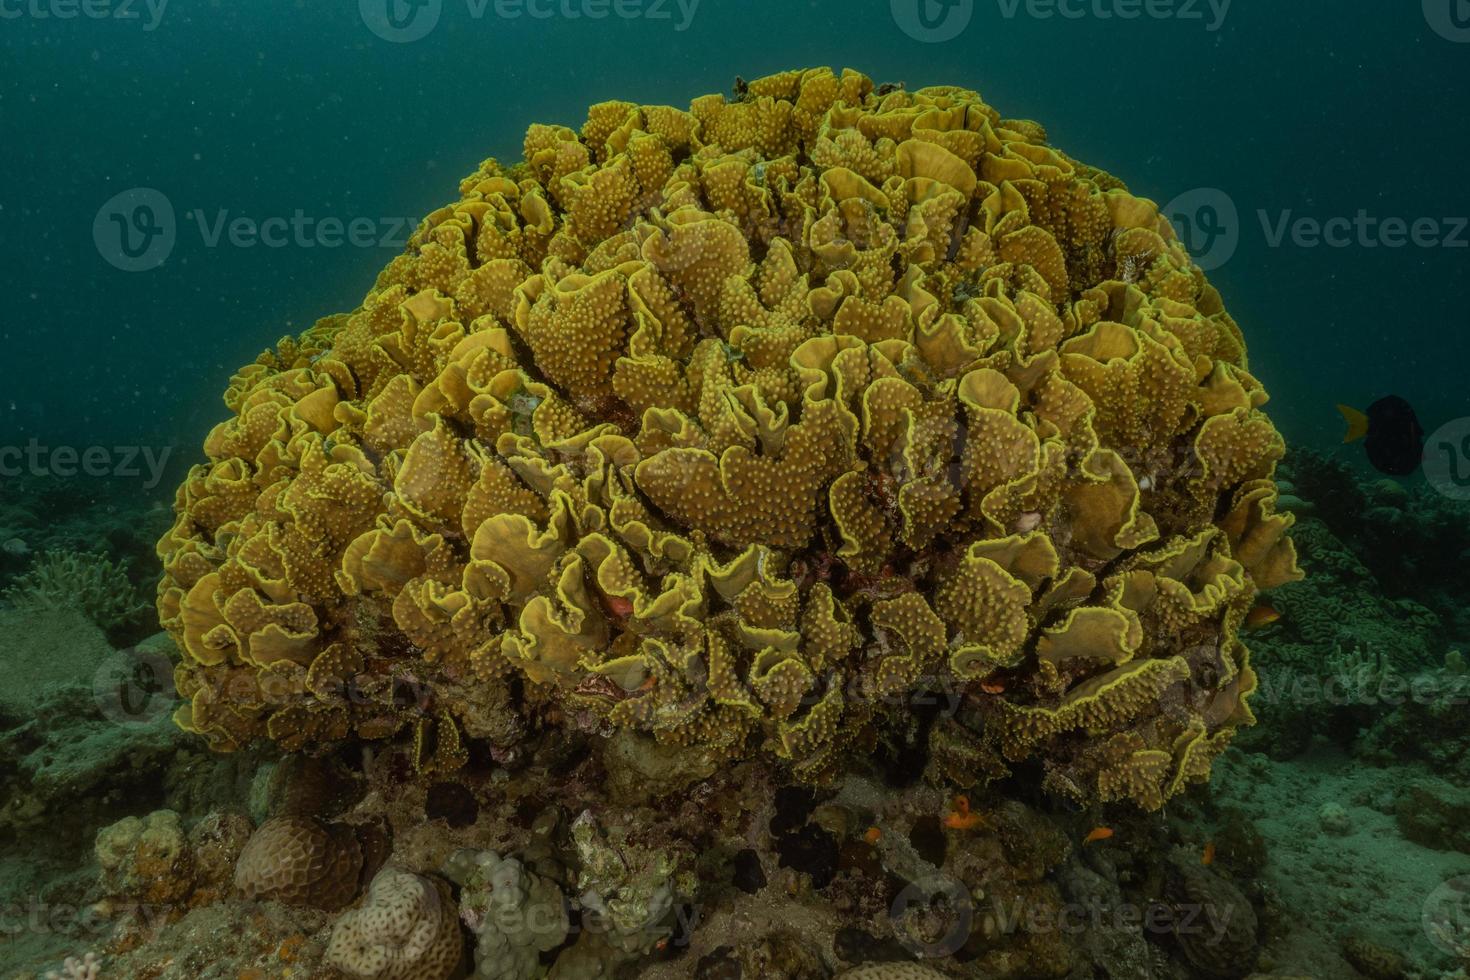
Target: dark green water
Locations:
point(1312, 109)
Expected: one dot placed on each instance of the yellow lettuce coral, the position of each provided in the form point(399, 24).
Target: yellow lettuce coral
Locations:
point(736, 426)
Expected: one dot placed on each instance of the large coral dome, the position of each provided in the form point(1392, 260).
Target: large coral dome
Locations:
point(743, 427)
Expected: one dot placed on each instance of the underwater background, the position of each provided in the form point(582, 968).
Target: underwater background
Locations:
point(1303, 110)
point(135, 134)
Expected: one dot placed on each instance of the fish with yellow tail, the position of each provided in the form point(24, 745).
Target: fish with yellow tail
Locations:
point(1391, 433)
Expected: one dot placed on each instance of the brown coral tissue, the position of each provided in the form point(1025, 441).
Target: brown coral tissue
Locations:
point(297, 861)
point(735, 426)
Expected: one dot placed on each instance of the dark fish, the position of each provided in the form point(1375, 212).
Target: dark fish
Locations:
point(1390, 432)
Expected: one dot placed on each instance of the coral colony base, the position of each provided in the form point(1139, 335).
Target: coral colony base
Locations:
point(805, 536)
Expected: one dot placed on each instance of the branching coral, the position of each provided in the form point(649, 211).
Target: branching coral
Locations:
point(629, 891)
point(90, 583)
point(736, 425)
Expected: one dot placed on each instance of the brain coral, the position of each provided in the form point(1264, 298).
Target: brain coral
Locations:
point(408, 929)
point(297, 861)
point(890, 971)
point(733, 426)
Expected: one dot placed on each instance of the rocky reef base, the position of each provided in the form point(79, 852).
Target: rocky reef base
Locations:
point(1331, 842)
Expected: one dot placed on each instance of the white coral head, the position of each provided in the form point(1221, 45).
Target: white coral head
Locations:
point(89, 967)
point(1028, 521)
point(408, 929)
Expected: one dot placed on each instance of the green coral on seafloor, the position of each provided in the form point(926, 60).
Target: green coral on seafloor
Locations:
point(91, 583)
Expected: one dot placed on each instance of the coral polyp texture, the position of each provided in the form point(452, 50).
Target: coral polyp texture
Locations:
point(408, 929)
point(735, 426)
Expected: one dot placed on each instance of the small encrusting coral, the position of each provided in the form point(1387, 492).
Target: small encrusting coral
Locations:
point(85, 967)
point(924, 884)
point(738, 426)
point(1409, 536)
point(606, 902)
point(1355, 659)
point(516, 914)
point(147, 859)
